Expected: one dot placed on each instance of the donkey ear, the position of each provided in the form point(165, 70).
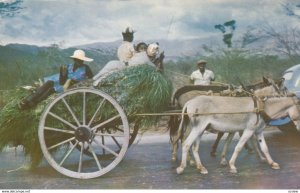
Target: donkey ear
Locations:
point(266, 80)
point(280, 82)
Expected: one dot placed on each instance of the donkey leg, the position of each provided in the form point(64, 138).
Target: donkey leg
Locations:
point(254, 144)
point(173, 125)
point(247, 146)
point(186, 146)
point(265, 150)
point(246, 135)
point(195, 149)
point(190, 158)
point(225, 148)
point(174, 151)
point(215, 145)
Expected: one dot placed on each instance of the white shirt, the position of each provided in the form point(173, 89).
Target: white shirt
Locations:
point(125, 51)
point(204, 79)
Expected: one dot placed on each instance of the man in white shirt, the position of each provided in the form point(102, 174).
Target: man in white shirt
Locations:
point(126, 49)
point(202, 76)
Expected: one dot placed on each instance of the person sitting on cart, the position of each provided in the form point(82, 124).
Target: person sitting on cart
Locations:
point(202, 76)
point(155, 56)
point(57, 83)
point(126, 49)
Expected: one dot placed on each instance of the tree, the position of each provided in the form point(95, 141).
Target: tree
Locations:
point(227, 36)
point(8, 8)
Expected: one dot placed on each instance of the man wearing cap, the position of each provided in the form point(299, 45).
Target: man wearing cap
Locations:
point(59, 82)
point(202, 76)
point(126, 49)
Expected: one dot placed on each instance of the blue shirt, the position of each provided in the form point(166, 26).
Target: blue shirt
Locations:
point(77, 75)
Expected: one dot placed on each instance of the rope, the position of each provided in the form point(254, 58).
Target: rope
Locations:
point(194, 114)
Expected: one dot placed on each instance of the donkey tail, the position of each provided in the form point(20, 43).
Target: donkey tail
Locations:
point(179, 131)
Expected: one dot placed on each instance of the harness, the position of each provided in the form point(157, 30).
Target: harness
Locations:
point(259, 108)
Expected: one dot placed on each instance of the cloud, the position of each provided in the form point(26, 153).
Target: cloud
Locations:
point(79, 21)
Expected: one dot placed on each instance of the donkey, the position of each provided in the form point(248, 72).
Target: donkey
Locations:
point(174, 123)
point(232, 114)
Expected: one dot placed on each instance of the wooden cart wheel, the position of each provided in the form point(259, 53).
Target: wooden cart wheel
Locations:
point(81, 117)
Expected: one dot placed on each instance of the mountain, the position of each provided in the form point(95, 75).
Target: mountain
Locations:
point(173, 49)
point(22, 64)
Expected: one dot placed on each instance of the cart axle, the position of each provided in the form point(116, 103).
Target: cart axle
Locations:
point(83, 134)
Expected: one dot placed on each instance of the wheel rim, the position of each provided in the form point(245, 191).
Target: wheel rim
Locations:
point(80, 118)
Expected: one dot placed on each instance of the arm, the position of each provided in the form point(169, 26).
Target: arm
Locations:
point(192, 78)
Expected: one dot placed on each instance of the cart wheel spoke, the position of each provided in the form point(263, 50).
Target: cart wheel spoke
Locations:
point(70, 110)
point(106, 148)
point(95, 157)
point(109, 135)
point(84, 108)
point(68, 153)
point(59, 130)
point(62, 120)
point(114, 139)
point(80, 158)
point(105, 122)
point(96, 112)
point(61, 143)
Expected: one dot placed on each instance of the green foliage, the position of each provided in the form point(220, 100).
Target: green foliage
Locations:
point(139, 89)
point(233, 64)
point(20, 127)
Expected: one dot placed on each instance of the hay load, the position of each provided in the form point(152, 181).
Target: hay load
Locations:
point(139, 89)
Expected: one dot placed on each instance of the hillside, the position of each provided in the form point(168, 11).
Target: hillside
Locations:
point(22, 64)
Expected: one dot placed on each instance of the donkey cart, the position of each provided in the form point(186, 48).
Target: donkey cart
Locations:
point(84, 132)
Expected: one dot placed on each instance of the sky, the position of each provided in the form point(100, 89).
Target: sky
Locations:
point(77, 22)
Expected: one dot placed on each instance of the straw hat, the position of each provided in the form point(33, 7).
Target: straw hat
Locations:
point(80, 54)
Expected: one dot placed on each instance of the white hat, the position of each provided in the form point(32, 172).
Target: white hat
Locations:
point(80, 54)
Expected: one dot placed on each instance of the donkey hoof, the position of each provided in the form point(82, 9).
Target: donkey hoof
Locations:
point(275, 166)
point(233, 170)
point(223, 162)
point(174, 159)
point(179, 170)
point(202, 170)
